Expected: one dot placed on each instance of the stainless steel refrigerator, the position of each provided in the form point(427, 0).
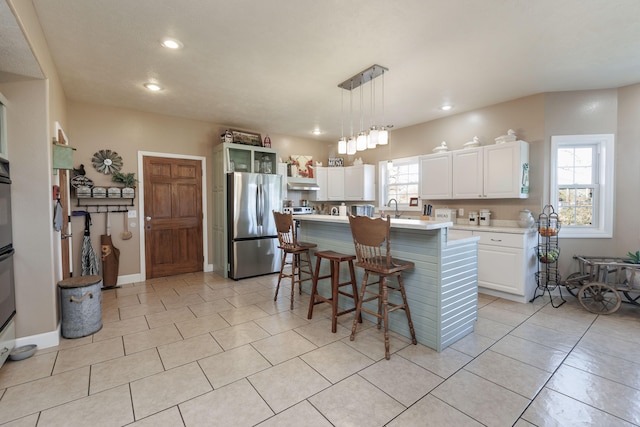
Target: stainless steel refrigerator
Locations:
point(253, 240)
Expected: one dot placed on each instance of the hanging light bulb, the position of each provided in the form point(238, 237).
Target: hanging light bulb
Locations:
point(351, 142)
point(372, 138)
point(342, 142)
point(361, 141)
point(383, 133)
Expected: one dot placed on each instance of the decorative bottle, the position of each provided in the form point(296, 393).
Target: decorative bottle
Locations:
point(267, 142)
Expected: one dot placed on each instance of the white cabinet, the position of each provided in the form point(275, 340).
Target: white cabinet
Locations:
point(497, 171)
point(467, 173)
point(436, 176)
point(359, 182)
point(506, 263)
point(248, 158)
point(321, 180)
point(506, 170)
point(345, 183)
point(335, 183)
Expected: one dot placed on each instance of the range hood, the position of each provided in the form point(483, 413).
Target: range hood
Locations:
point(302, 184)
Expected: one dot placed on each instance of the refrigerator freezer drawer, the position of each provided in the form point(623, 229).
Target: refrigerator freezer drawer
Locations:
point(248, 258)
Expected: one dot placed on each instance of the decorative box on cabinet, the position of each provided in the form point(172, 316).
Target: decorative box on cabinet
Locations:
point(499, 171)
point(436, 176)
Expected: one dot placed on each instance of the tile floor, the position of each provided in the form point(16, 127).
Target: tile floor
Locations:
point(199, 350)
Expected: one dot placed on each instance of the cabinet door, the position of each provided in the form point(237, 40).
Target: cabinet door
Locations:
point(467, 173)
point(503, 169)
point(359, 182)
point(282, 171)
point(335, 183)
point(436, 177)
point(501, 269)
point(321, 180)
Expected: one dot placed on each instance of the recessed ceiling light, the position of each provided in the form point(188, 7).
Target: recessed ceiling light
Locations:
point(154, 87)
point(172, 43)
point(316, 132)
point(446, 107)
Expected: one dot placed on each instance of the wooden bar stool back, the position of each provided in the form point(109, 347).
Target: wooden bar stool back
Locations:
point(371, 238)
point(295, 255)
point(334, 258)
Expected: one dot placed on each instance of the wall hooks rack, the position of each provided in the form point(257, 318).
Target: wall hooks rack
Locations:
point(106, 205)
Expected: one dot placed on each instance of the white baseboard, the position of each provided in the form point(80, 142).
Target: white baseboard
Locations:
point(208, 268)
point(129, 278)
point(44, 340)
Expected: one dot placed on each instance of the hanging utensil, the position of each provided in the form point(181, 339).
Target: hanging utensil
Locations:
point(126, 234)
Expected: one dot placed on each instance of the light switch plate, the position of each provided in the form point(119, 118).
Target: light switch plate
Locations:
point(132, 214)
point(460, 212)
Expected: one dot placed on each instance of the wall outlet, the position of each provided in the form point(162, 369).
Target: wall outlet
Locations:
point(460, 212)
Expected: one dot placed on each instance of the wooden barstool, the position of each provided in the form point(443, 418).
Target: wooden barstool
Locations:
point(368, 236)
point(298, 251)
point(334, 258)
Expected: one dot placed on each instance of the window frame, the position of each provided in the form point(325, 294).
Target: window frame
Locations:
point(383, 193)
point(604, 185)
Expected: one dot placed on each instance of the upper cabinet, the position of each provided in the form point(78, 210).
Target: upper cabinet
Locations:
point(359, 182)
point(436, 176)
point(498, 171)
point(355, 183)
point(248, 158)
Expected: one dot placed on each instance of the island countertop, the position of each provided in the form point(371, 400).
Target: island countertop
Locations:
point(413, 224)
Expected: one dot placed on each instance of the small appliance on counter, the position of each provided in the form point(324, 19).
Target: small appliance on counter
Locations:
point(446, 215)
point(362, 210)
point(298, 210)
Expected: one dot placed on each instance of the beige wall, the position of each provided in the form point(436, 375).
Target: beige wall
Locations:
point(93, 127)
point(575, 113)
point(34, 107)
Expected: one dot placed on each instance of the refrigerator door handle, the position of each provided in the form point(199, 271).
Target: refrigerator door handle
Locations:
point(260, 206)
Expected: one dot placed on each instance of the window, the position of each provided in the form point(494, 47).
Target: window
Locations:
point(582, 184)
point(399, 179)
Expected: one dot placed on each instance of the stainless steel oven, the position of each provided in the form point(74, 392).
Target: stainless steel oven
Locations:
point(7, 290)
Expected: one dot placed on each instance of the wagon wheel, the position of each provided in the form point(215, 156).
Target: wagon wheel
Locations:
point(574, 282)
point(599, 298)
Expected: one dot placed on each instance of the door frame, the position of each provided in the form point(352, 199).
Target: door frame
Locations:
point(205, 243)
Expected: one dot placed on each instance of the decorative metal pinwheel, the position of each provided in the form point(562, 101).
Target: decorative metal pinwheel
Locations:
point(107, 161)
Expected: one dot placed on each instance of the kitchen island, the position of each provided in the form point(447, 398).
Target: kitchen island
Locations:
point(442, 289)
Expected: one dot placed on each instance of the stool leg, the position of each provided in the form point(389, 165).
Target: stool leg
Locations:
point(314, 287)
point(284, 259)
point(308, 262)
point(354, 286)
point(380, 278)
point(359, 306)
point(335, 279)
point(385, 307)
point(406, 309)
point(295, 269)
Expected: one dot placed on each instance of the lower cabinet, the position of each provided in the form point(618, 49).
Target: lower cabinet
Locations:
point(506, 263)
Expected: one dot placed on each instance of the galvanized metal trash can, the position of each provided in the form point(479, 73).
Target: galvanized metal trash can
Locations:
point(80, 304)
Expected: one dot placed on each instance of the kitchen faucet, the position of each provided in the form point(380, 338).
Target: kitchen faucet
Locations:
point(389, 204)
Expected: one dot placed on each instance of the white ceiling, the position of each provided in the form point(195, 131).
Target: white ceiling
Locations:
point(274, 65)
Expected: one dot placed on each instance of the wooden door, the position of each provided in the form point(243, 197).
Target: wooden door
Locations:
point(65, 232)
point(172, 216)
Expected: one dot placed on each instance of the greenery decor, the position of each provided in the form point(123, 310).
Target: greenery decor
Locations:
point(635, 258)
point(128, 179)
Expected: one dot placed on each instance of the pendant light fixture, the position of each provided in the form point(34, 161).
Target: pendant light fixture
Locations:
point(383, 134)
point(351, 142)
point(376, 135)
point(342, 142)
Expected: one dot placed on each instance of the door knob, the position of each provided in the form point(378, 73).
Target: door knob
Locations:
point(148, 218)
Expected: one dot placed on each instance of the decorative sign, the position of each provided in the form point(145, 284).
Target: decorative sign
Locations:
point(335, 161)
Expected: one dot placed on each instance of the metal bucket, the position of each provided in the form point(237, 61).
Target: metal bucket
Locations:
point(80, 305)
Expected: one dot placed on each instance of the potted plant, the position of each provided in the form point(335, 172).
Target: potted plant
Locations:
point(128, 180)
point(633, 273)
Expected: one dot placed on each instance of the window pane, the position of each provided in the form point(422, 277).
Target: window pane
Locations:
point(575, 206)
point(565, 176)
point(583, 175)
point(565, 157)
point(584, 156)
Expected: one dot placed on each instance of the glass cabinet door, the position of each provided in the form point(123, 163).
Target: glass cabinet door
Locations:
point(239, 160)
point(266, 162)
